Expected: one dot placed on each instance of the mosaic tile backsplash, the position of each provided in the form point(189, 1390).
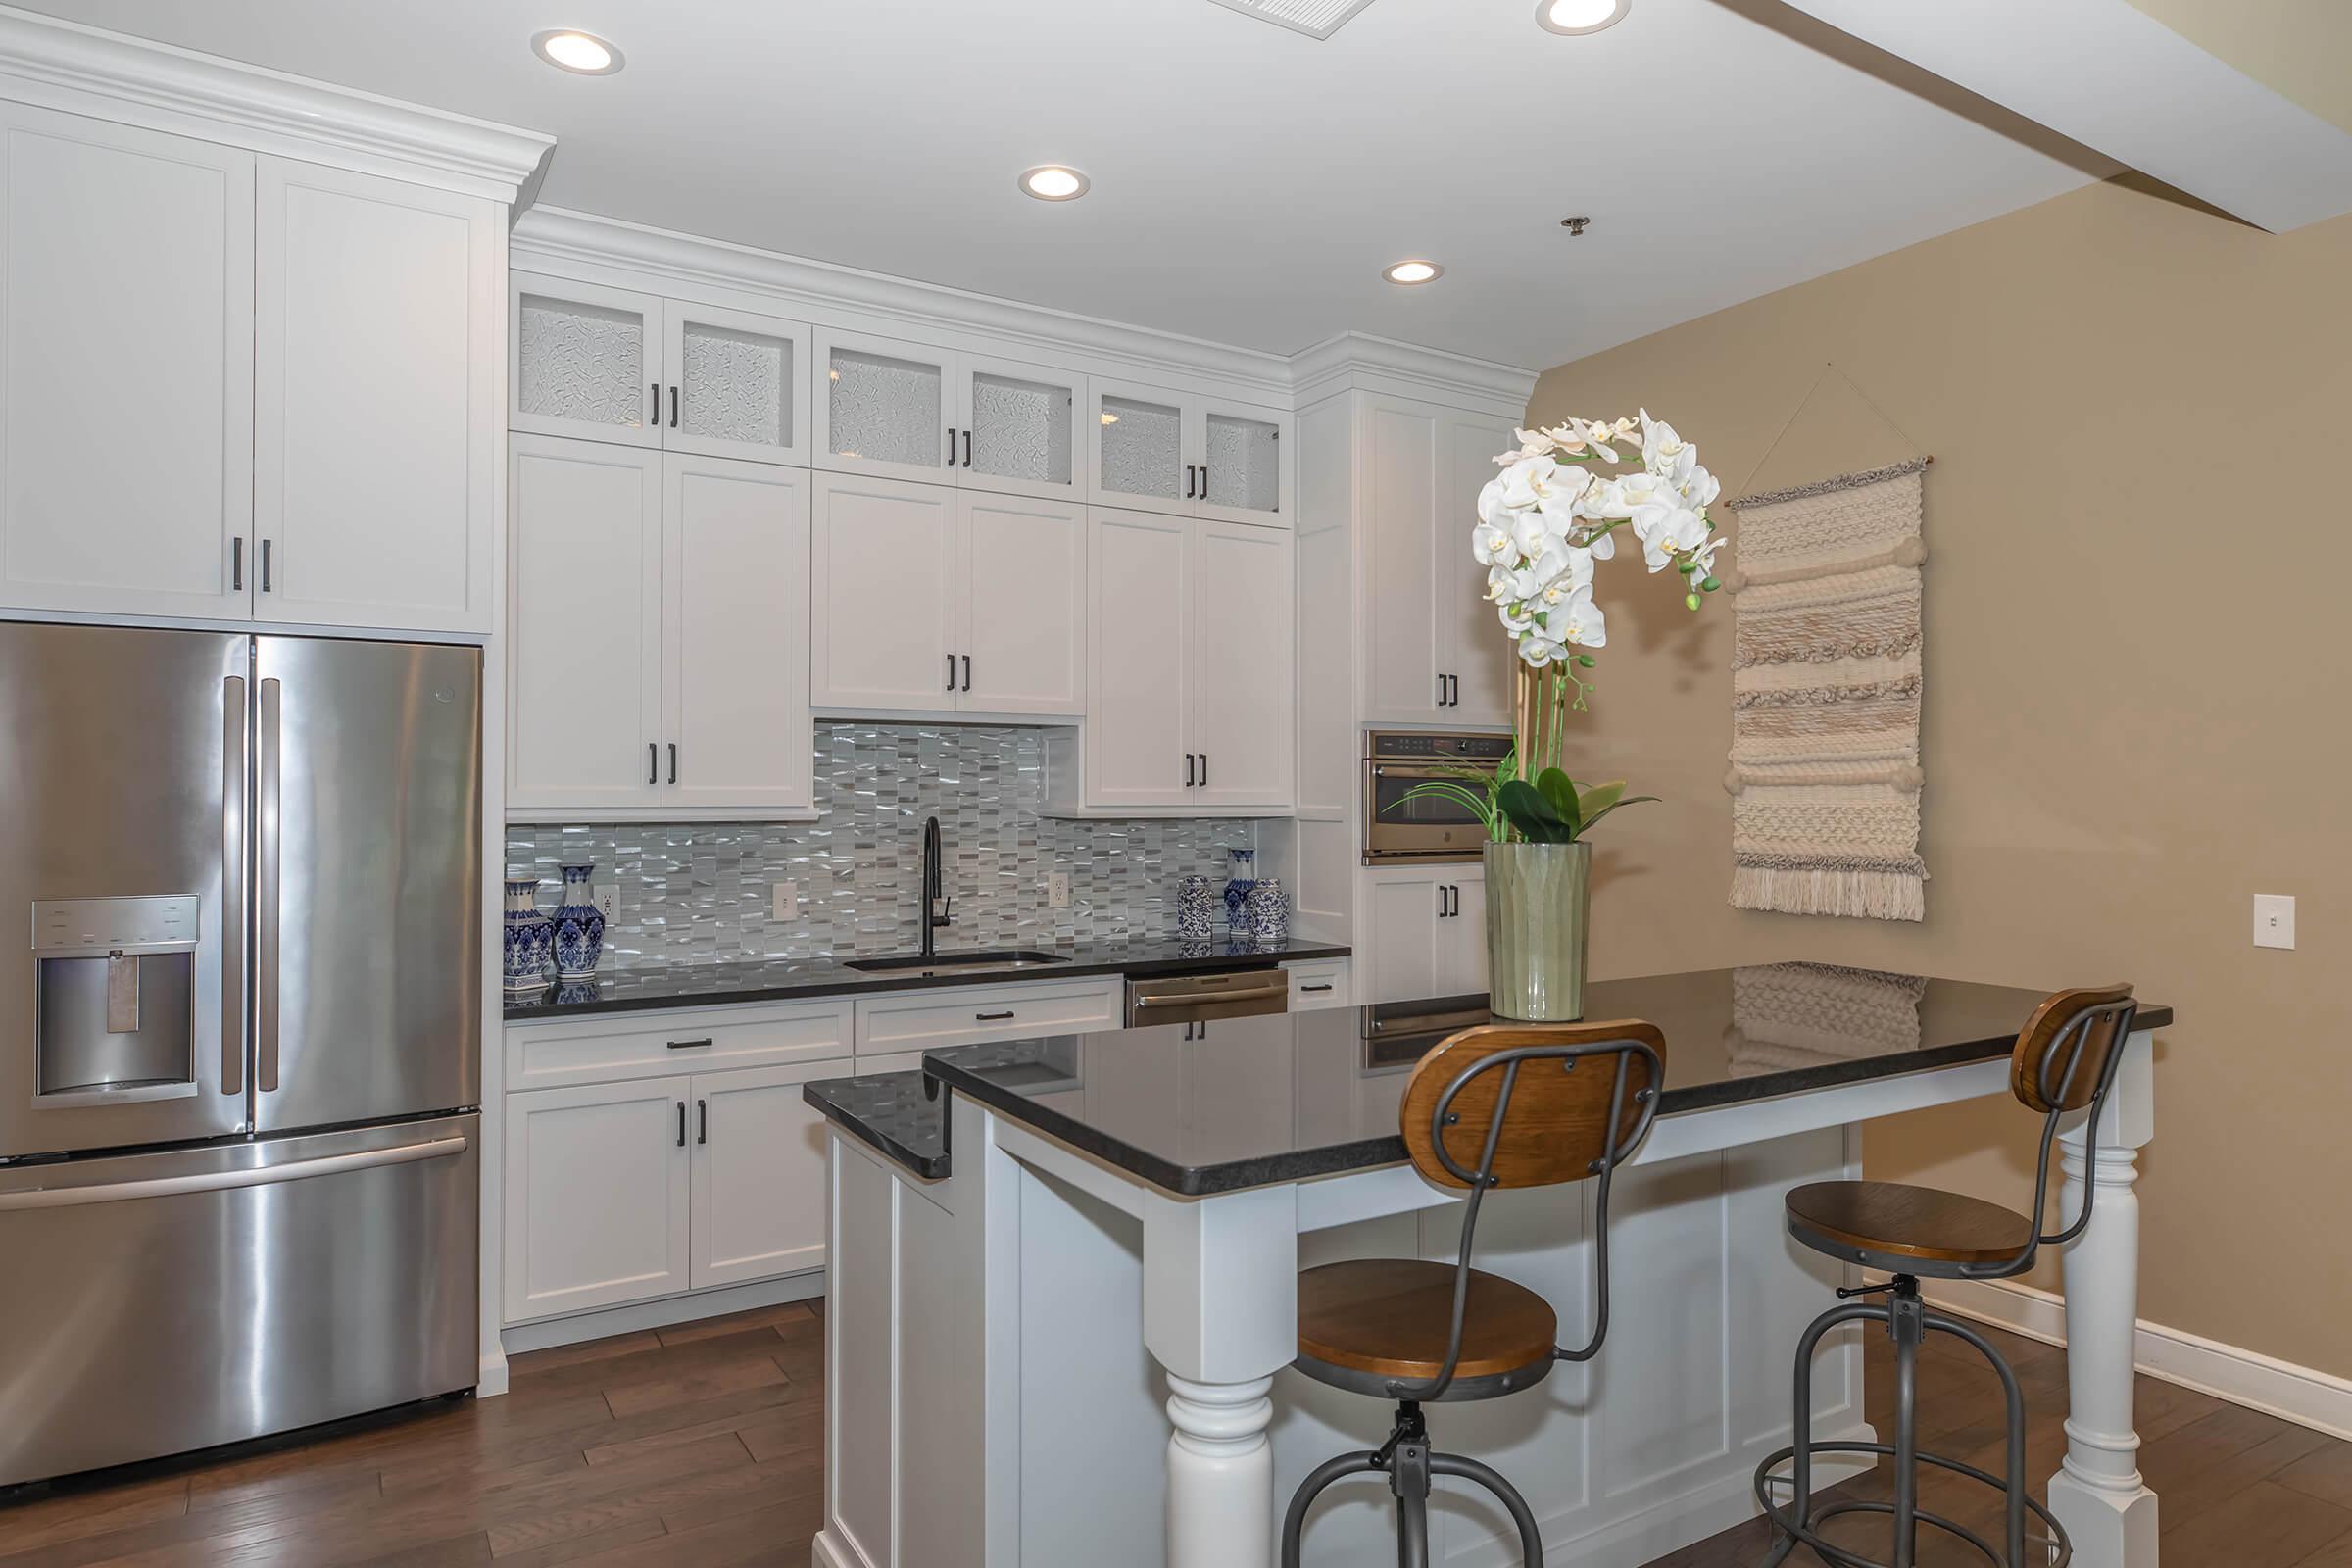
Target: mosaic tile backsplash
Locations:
point(699, 893)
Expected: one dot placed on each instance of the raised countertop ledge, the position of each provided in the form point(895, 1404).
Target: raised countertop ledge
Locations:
point(1297, 1095)
point(710, 985)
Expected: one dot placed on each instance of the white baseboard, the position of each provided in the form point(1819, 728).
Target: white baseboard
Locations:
point(826, 1553)
point(490, 1380)
point(638, 1315)
point(2310, 1399)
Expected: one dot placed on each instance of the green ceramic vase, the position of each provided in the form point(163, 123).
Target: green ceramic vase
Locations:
point(1537, 897)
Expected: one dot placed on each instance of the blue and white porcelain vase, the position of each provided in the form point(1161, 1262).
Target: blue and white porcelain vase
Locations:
point(1241, 874)
point(1269, 914)
point(529, 935)
point(1194, 903)
point(579, 933)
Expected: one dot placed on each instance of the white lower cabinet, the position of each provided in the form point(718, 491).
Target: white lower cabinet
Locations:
point(598, 1178)
point(1426, 933)
point(1319, 983)
point(758, 1203)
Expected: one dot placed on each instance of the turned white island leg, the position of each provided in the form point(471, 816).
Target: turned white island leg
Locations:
point(2097, 1494)
point(1221, 1316)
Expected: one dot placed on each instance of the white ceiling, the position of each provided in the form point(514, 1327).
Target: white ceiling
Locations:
point(1248, 182)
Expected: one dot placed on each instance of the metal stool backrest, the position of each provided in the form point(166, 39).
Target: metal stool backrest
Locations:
point(1530, 1106)
point(2065, 1061)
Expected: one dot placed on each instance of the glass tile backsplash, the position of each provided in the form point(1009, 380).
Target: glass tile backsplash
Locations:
point(700, 893)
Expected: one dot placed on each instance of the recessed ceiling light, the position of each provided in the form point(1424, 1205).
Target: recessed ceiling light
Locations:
point(581, 53)
point(1054, 182)
point(1578, 16)
point(1411, 271)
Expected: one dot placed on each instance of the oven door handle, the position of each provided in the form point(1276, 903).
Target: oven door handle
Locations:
point(1210, 998)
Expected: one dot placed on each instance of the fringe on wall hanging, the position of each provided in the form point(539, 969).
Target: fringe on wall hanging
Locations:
point(1825, 767)
point(1793, 1015)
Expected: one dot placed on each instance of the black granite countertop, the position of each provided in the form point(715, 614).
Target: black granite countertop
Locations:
point(704, 985)
point(1292, 1096)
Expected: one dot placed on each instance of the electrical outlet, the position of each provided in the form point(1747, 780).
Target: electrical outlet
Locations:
point(784, 902)
point(1057, 890)
point(607, 901)
point(2274, 921)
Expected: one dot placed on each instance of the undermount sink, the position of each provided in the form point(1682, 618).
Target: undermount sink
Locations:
point(1003, 959)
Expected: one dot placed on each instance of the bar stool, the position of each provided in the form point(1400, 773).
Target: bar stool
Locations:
point(2065, 1060)
point(1492, 1107)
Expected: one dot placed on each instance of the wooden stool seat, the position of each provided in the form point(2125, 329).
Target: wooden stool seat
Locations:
point(1913, 1230)
point(1363, 1323)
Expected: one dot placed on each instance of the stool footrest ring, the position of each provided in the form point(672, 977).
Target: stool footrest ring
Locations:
point(1787, 1526)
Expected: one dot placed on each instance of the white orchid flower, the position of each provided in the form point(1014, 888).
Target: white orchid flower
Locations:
point(1604, 546)
point(1538, 650)
point(1596, 435)
point(1532, 532)
point(1702, 557)
point(1699, 488)
point(1667, 530)
point(1560, 570)
point(1493, 510)
point(1577, 621)
point(1660, 444)
point(1525, 483)
point(1492, 546)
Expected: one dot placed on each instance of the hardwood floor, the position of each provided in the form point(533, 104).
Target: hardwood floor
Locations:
point(701, 1446)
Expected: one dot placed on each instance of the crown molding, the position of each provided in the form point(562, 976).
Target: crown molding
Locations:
point(83, 69)
point(563, 241)
point(1358, 361)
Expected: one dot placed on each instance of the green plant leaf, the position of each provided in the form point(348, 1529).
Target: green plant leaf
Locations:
point(1532, 815)
point(1630, 800)
point(1558, 788)
point(1597, 799)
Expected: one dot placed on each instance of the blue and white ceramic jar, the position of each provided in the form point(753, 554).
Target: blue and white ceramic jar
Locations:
point(1241, 874)
point(1269, 914)
point(1194, 921)
point(579, 927)
point(528, 936)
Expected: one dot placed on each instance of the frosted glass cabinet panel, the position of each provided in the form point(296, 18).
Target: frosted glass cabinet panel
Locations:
point(1139, 448)
point(1241, 465)
point(588, 360)
point(887, 407)
point(1024, 434)
point(737, 386)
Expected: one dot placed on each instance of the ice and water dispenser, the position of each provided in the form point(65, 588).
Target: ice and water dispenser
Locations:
point(116, 1005)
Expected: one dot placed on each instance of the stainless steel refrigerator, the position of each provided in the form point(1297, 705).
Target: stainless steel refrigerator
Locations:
point(240, 1036)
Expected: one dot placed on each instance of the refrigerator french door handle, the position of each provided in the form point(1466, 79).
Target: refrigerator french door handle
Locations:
point(232, 884)
point(266, 896)
point(223, 1180)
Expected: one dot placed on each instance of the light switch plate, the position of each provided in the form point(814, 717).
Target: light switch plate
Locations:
point(608, 899)
point(784, 902)
point(1057, 890)
point(2274, 921)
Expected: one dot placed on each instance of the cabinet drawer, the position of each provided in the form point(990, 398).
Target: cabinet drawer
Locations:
point(926, 1018)
point(648, 1045)
point(1318, 983)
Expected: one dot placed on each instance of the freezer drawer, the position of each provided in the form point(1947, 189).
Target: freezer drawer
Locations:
point(162, 1302)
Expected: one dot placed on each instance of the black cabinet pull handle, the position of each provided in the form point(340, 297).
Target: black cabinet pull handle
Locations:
point(266, 551)
point(236, 561)
point(1204, 481)
point(967, 672)
point(951, 672)
point(967, 449)
point(1441, 691)
point(653, 420)
point(673, 408)
point(1205, 770)
point(950, 446)
point(681, 1124)
point(702, 1114)
point(994, 1017)
point(688, 1044)
point(1187, 770)
point(652, 762)
point(1315, 988)
point(1455, 683)
point(674, 761)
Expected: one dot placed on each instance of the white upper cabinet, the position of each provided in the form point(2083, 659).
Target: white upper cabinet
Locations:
point(734, 637)
point(1022, 433)
point(883, 603)
point(583, 627)
point(887, 407)
point(1427, 934)
point(1435, 651)
point(1193, 699)
point(587, 360)
point(126, 408)
point(1161, 451)
point(376, 401)
point(738, 384)
point(613, 365)
point(933, 600)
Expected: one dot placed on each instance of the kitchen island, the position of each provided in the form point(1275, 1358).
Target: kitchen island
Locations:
point(1062, 1300)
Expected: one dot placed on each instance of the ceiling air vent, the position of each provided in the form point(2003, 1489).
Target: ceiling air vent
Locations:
point(1317, 19)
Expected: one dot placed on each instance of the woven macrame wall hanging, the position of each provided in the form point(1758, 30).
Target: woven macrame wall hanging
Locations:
point(1825, 773)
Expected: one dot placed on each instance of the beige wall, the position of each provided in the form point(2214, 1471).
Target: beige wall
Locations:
point(2297, 48)
point(2136, 701)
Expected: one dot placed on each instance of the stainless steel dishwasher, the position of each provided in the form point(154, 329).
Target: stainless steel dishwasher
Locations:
point(1197, 998)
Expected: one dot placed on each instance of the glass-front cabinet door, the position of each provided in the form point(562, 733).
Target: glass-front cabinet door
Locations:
point(886, 407)
point(588, 360)
point(1140, 456)
point(1244, 474)
point(1021, 429)
point(738, 385)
